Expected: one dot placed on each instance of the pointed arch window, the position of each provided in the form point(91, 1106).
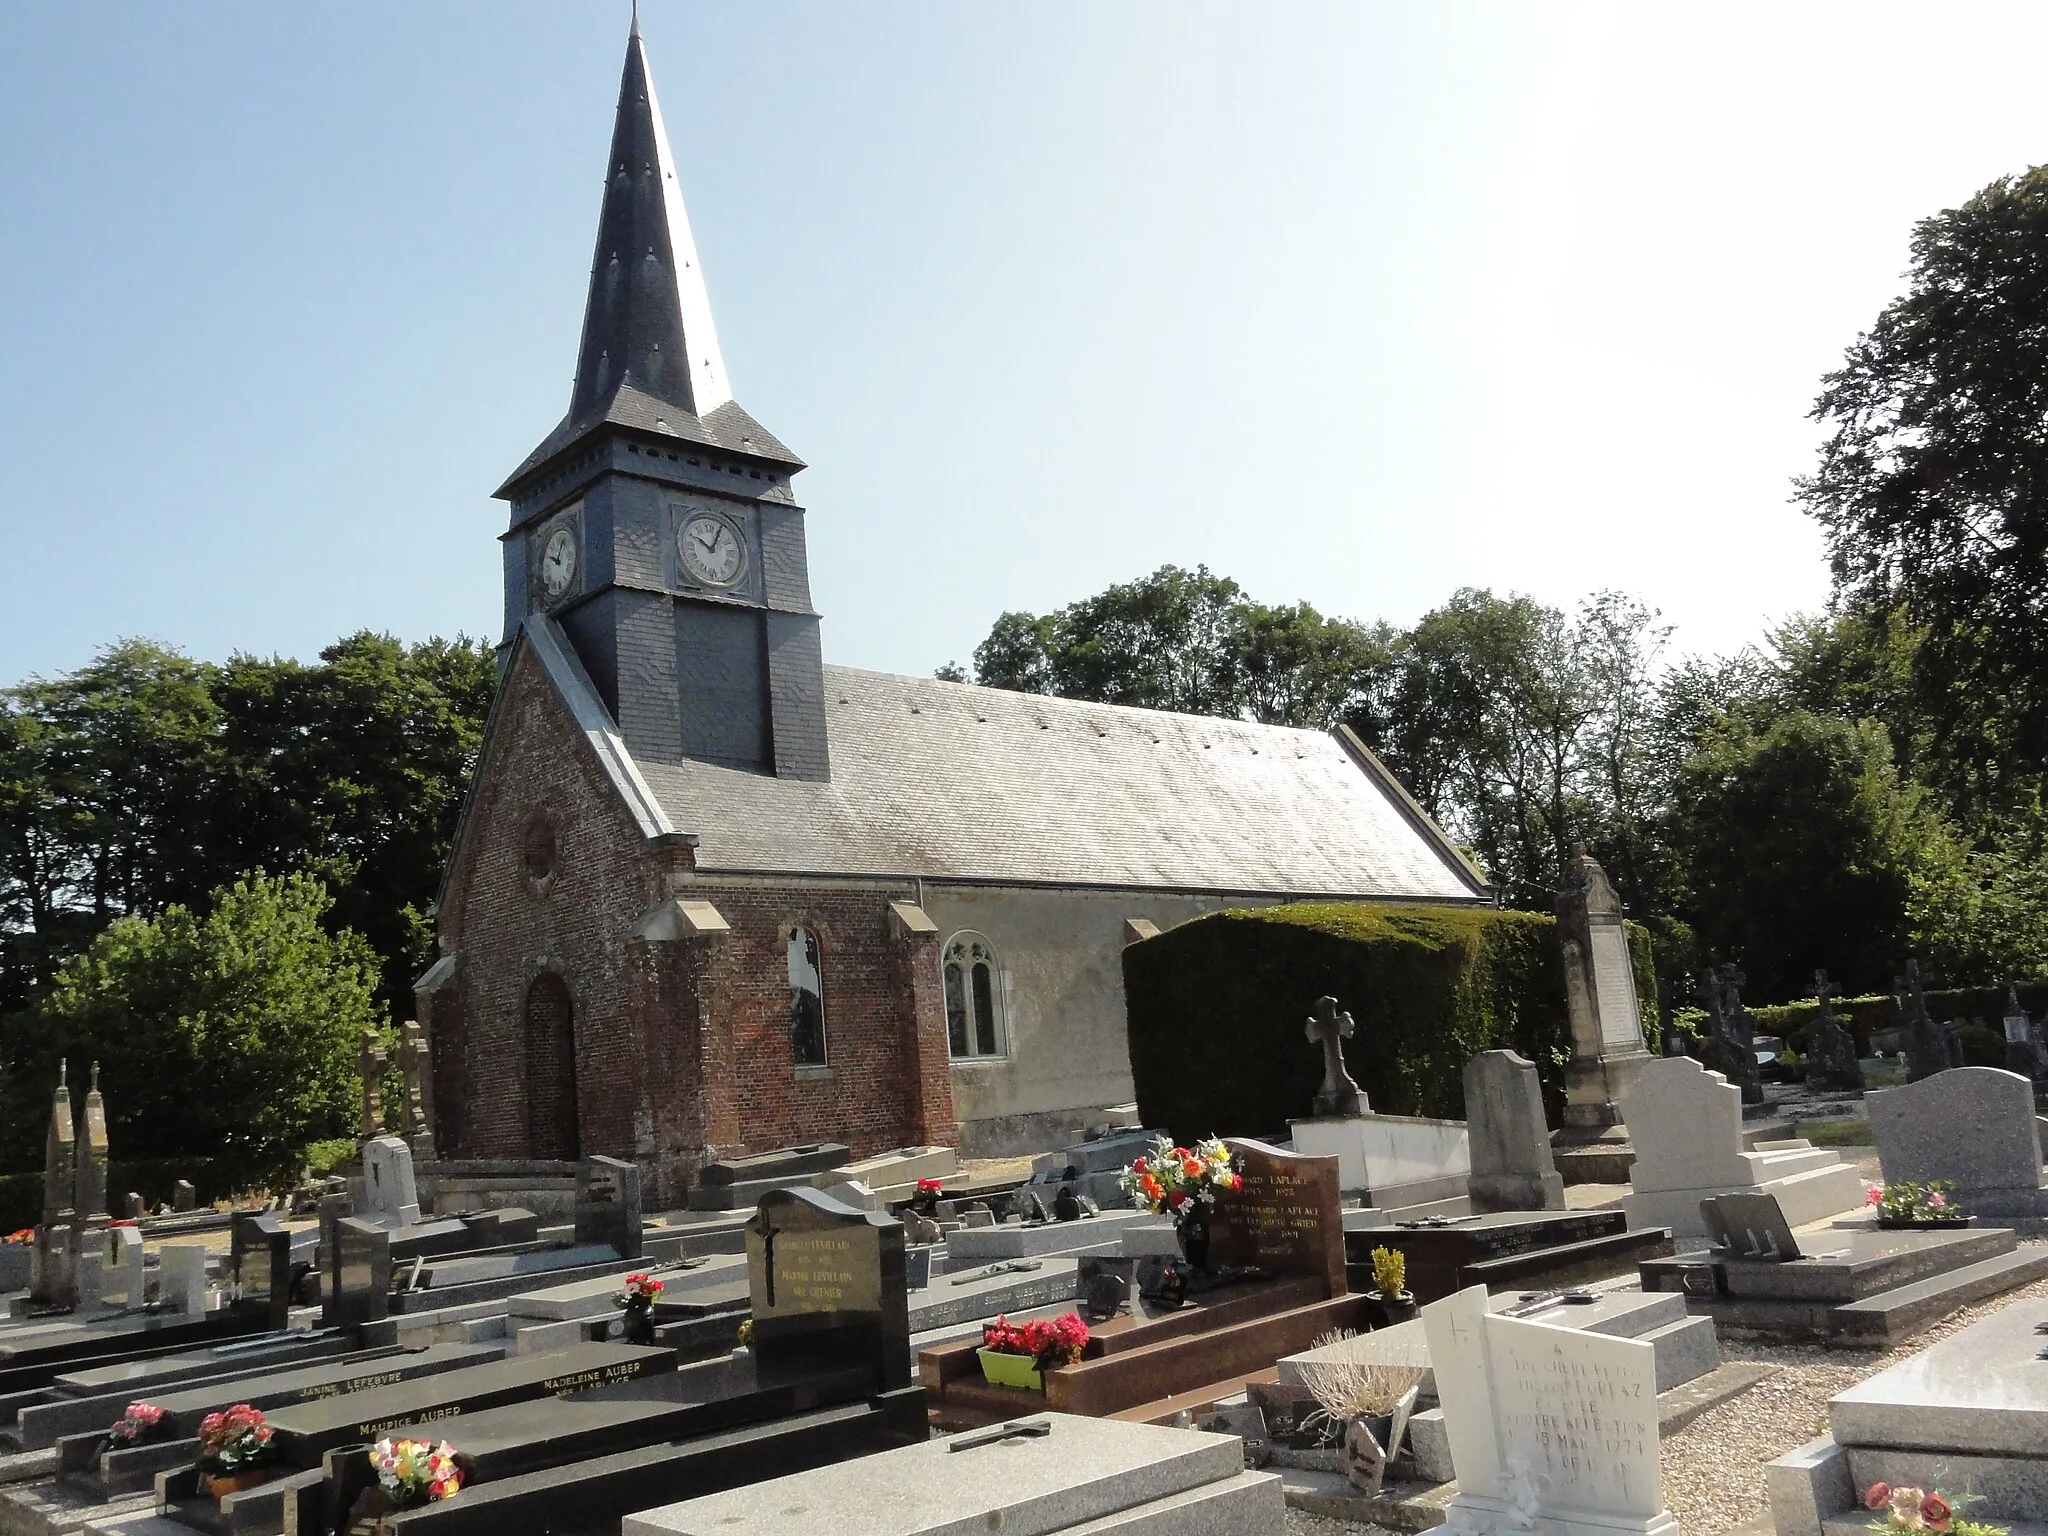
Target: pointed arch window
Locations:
point(974, 997)
point(806, 999)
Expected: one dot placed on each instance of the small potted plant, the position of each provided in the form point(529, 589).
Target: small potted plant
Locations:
point(234, 1451)
point(1921, 1509)
point(636, 1301)
point(1019, 1356)
point(1183, 1183)
point(1388, 1301)
point(1912, 1206)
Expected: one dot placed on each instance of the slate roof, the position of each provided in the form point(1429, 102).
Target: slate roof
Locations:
point(729, 428)
point(949, 781)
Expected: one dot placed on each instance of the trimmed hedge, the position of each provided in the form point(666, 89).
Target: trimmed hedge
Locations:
point(1217, 1009)
point(1867, 1016)
point(21, 1194)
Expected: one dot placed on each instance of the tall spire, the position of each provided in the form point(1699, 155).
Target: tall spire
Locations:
point(648, 317)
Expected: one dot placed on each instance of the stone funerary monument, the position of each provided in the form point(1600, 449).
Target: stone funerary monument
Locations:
point(710, 893)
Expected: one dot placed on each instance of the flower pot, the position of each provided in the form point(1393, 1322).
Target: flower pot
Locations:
point(1385, 1311)
point(1192, 1233)
point(218, 1485)
point(1000, 1370)
point(1922, 1224)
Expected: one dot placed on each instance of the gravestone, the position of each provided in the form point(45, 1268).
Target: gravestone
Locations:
point(364, 1271)
point(1287, 1216)
point(917, 1268)
point(53, 1279)
point(608, 1204)
point(262, 1258)
point(854, 1193)
point(1600, 992)
point(2023, 1053)
point(1512, 1166)
point(1550, 1428)
point(183, 1195)
point(1686, 1124)
point(89, 1198)
point(1927, 1047)
point(1832, 1065)
point(1330, 1027)
point(1972, 1126)
point(121, 1266)
point(1750, 1227)
point(391, 1194)
point(181, 1278)
point(1730, 1046)
point(371, 1060)
point(415, 1062)
point(85, 1281)
point(827, 1285)
point(132, 1207)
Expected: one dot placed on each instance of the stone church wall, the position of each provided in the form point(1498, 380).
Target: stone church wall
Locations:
point(1060, 952)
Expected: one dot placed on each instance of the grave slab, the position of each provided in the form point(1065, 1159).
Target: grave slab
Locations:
point(1078, 1471)
point(1391, 1160)
point(1980, 1391)
point(967, 1248)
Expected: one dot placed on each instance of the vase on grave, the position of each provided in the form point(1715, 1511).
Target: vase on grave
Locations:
point(1385, 1311)
point(1191, 1232)
point(218, 1485)
point(636, 1323)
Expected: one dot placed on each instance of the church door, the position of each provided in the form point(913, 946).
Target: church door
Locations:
point(551, 1071)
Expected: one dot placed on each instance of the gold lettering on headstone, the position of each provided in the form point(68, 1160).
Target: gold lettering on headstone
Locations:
point(814, 1272)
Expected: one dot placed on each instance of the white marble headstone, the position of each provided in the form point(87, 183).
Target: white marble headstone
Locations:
point(182, 1278)
point(1551, 1416)
point(391, 1197)
point(121, 1265)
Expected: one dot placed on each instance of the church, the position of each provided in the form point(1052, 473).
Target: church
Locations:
point(710, 894)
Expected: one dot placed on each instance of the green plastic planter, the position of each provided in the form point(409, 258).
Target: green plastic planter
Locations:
point(1000, 1370)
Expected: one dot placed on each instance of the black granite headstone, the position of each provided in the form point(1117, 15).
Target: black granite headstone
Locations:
point(828, 1285)
point(608, 1204)
point(363, 1291)
point(917, 1268)
point(333, 1206)
point(262, 1247)
point(1750, 1227)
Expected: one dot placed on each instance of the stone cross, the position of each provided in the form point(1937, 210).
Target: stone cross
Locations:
point(371, 1062)
point(1927, 1052)
point(412, 1051)
point(1832, 1066)
point(1331, 1028)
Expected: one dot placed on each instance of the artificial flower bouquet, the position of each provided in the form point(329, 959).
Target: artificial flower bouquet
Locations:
point(926, 1201)
point(1910, 1200)
point(1181, 1182)
point(640, 1291)
point(233, 1441)
point(21, 1237)
point(137, 1425)
point(1921, 1509)
point(1046, 1344)
point(414, 1473)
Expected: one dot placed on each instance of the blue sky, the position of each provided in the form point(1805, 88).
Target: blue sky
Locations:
point(1355, 303)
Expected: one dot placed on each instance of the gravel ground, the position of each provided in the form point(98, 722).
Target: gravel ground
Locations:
point(1713, 1468)
point(1300, 1523)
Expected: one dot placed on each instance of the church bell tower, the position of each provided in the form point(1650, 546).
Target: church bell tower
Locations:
point(656, 523)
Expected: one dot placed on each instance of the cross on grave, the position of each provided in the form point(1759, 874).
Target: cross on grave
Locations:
point(371, 1063)
point(412, 1055)
point(1016, 1429)
point(1331, 1028)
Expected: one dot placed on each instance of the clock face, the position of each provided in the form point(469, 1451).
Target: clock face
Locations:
point(558, 562)
point(711, 550)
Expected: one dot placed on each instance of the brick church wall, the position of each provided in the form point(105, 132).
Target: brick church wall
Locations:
point(682, 1045)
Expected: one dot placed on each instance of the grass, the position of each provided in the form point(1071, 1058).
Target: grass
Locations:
point(1851, 1132)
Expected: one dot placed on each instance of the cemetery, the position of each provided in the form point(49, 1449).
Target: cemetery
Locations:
point(819, 1100)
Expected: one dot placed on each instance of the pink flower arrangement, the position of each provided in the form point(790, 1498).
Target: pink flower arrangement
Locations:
point(1049, 1342)
point(1921, 1509)
point(233, 1441)
point(136, 1424)
point(640, 1291)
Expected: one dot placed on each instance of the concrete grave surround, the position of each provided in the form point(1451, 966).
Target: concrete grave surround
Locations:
point(1397, 1160)
point(1546, 1421)
point(1974, 1126)
point(1098, 1475)
point(1686, 1125)
point(391, 1195)
point(1512, 1167)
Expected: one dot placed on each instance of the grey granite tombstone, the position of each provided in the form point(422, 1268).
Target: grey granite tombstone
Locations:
point(608, 1204)
point(1512, 1168)
point(827, 1286)
point(89, 1197)
point(1730, 1046)
point(1832, 1065)
point(60, 1156)
point(183, 1195)
point(132, 1207)
point(390, 1192)
point(1972, 1126)
point(1927, 1048)
point(181, 1278)
point(262, 1257)
point(1329, 1027)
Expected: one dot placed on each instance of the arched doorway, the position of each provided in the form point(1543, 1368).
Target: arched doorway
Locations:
point(551, 1070)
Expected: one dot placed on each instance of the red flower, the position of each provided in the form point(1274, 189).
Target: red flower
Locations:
point(1880, 1495)
point(1175, 1198)
point(1935, 1511)
point(1139, 1166)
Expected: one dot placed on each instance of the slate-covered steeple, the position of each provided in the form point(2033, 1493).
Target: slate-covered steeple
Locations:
point(648, 317)
point(656, 525)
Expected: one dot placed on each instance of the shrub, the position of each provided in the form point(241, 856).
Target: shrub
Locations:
point(1217, 1007)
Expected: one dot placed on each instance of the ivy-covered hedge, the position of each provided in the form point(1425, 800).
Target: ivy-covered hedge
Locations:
point(1217, 1009)
point(1864, 1017)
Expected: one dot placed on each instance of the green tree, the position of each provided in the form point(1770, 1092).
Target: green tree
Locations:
point(230, 1036)
point(1803, 847)
point(1933, 483)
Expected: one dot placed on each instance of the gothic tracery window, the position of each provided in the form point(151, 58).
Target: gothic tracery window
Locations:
point(974, 1022)
point(806, 1000)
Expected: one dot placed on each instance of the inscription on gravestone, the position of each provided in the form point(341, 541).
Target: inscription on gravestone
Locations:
point(1288, 1215)
point(828, 1283)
